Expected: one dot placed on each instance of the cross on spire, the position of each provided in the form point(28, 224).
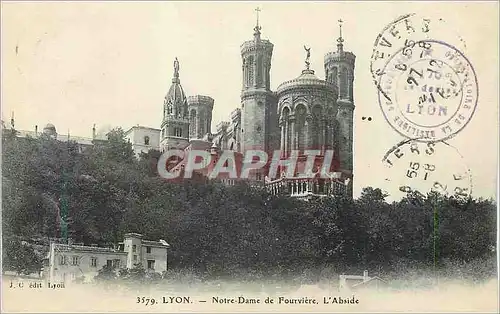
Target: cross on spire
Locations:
point(257, 10)
point(340, 39)
point(257, 28)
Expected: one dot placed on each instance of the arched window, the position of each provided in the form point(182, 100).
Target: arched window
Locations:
point(316, 127)
point(201, 126)
point(251, 67)
point(343, 86)
point(300, 121)
point(266, 71)
point(146, 140)
point(245, 72)
point(334, 76)
point(330, 132)
point(192, 123)
point(285, 129)
point(259, 70)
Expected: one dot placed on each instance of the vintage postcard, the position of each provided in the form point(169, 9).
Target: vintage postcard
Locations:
point(249, 156)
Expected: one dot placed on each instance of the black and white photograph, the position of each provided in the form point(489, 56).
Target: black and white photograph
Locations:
point(273, 156)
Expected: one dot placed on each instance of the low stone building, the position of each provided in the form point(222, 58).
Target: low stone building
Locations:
point(67, 262)
point(357, 283)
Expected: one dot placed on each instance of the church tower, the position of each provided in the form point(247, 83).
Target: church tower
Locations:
point(200, 115)
point(339, 70)
point(258, 103)
point(175, 124)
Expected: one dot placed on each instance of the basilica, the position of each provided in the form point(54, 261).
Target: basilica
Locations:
point(304, 113)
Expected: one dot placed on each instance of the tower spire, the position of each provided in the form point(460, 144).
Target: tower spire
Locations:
point(340, 40)
point(257, 27)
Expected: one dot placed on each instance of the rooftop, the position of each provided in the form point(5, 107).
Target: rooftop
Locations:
point(141, 127)
point(306, 80)
point(71, 247)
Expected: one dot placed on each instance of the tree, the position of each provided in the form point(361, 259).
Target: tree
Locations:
point(20, 257)
point(137, 273)
point(116, 148)
point(106, 273)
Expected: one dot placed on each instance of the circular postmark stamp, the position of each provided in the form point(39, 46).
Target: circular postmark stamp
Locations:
point(424, 167)
point(429, 91)
point(405, 29)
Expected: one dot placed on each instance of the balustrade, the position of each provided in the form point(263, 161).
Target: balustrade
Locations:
point(304, 187)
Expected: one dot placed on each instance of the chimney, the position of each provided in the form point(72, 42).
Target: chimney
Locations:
point(365, 276)
point(36, 130)
point(93, 132)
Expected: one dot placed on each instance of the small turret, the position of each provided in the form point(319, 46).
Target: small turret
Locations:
point(200, 115)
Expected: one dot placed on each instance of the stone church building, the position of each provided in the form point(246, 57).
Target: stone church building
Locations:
point(303, 113)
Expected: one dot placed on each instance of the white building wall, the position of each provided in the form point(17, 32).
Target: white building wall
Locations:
point(158, 254)
point(137, 136)
point(69, 262)
point(66, 263)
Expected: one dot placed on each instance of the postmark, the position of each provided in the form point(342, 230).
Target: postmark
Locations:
point(424, 167)
point(405, 29)
point(429, 91)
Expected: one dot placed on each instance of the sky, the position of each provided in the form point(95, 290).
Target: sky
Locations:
point(75, 64)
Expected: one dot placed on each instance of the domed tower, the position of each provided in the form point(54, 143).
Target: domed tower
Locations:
point(175, 124)
point(50, 130)
point(200, 115)
point(258, 102)
point(307, 108)
point(339, 70)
